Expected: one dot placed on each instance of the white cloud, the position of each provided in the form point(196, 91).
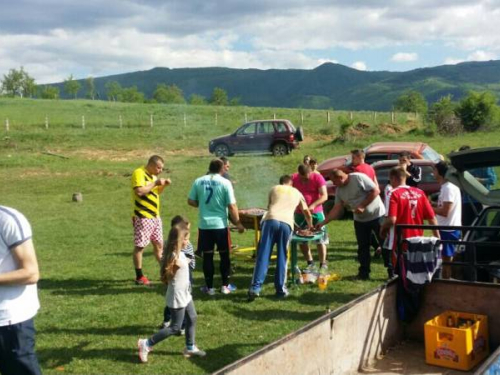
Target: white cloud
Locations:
point(404, 57)
point(480, 55)
point(100, 38)
point(359, 65)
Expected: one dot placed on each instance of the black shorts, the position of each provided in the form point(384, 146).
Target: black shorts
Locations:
point(208, 238)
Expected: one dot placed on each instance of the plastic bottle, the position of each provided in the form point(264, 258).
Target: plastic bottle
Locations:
point(322, 280)
point(299, 279)
point(450, 322)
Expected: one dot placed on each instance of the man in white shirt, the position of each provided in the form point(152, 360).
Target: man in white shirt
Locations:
point(448, 211)
point(18, 295)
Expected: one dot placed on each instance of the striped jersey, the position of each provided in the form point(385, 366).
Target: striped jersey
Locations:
point(147, 206)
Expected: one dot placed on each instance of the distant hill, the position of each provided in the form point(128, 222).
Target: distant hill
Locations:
point(327, 86)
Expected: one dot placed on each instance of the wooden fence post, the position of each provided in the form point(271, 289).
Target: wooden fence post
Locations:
point(302, 117)
point(392, 117)
point(46, 122)
point(185, 119)
point(246, 118)
point(151, 120)
point(350, 115)
point(83, 122)
point(7, 127)
point(216, 118)
point(327, 117)
point(275, 116)
point(120, 121)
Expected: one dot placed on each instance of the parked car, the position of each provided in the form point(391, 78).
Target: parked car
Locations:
point(382, 151)
point(382, 168)
point(486, 241)
point(279, 137)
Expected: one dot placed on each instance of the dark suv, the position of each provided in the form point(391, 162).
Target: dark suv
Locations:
point(276, 136)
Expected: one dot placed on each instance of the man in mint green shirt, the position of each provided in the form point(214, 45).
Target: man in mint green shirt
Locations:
point(213, 195)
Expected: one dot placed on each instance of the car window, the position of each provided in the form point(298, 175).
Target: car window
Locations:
point(280, 127)
point(247, 130)
point(427, 175)
point(265, 128)
point(489, 218)
point(383, 176)
point(394, 156)
point(430, 154)
point(372, 158)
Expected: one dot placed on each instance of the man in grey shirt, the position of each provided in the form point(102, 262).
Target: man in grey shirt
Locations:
point(358, 193)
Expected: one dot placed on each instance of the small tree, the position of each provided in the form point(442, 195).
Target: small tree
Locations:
point(132, 95)
point(477, 109)
point(113, 90)
point(49, 92)
point(411, 101)
point(235, 102)
point(89, 83)
point(442, 113)
point(197, 100)
point(71, 87)
point(18, 82)
point(219, 97)
point(168, 94)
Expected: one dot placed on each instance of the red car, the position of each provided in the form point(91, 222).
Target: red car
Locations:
point(382, 151)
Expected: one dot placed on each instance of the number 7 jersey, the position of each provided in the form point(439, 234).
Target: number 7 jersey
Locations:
point(214, 194)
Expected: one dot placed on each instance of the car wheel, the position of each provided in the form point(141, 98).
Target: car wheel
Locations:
point(221, 150)
point(299, 134)
point(280, 149)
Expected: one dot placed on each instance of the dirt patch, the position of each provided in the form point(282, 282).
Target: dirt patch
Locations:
point(117, 155)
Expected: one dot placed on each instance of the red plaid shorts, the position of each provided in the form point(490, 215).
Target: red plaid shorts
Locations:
point(147, 230)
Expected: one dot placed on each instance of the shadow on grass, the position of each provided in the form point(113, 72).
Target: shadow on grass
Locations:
point(254, 314)
point(83, 287)
point(130, 330)
point(60, 357)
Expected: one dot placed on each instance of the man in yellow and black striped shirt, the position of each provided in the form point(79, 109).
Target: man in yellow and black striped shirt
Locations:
point(146, 190)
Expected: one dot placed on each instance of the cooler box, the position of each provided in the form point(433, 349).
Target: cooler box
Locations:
point(456, 340)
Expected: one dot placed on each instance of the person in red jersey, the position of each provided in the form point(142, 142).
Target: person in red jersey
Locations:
point(407, 205)
point(358, 165)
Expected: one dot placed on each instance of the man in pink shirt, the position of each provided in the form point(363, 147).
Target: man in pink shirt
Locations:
point(313, 188)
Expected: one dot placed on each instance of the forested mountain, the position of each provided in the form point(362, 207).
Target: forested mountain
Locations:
point(327, 86)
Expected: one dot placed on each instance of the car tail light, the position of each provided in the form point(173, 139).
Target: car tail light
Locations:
point(291, 137)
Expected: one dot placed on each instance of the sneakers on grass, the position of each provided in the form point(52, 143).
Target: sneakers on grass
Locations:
point(144, 349)
point(227, 289)
point(143, 280)
point(207, 290)
point(194, 352)
point(252, 295)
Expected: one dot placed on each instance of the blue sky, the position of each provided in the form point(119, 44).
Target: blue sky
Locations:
point(52, 39)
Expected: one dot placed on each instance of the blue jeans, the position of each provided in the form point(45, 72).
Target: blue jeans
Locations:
point(17, 349)
point(273, 232)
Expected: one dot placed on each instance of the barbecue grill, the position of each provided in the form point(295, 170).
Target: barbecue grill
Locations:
point(250, 218)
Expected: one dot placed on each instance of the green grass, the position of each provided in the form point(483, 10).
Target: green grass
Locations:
point(92, 314)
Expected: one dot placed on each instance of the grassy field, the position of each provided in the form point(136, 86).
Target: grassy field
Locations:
point(92, 313)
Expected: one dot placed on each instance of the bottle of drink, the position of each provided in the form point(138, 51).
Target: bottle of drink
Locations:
point(322, 280)
point(450, 322)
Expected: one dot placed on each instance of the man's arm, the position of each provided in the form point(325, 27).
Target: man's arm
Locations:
point(372, 194)
point(323, 197)
point(434, 221)
point(334, 214)
point(306, 212)
point(388, 223)
point(193, 203)
point(444, 210)
point(146, 189)
point(234, 217)
point(27, 272)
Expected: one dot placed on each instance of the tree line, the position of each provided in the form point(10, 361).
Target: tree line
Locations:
point(446, 116)
point(20, 83)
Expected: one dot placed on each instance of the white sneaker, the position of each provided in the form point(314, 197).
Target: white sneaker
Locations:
point(226, 289)
point(209, 291)
point(144, 349)
point(196, 352)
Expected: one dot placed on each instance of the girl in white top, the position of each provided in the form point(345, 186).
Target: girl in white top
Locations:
point(175, 272)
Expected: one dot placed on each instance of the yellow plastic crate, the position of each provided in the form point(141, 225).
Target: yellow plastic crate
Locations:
point(456, 340)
